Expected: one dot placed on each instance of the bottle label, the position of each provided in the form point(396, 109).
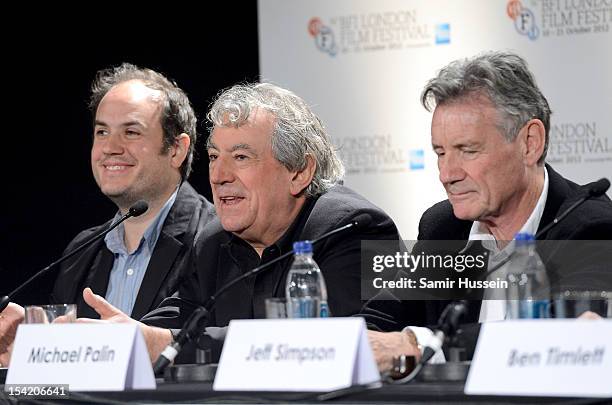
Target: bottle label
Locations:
point(324, 310)
point(305, 307)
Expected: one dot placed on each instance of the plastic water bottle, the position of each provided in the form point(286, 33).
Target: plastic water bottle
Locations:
point(305, 289)
point(528, 293)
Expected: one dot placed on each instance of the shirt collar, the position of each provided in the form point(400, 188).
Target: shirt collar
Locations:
point(115, 239)
point(479, 231)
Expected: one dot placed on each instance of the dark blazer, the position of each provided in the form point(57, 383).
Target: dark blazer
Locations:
point(339, 258)
point(189, 215)
point(590, 221)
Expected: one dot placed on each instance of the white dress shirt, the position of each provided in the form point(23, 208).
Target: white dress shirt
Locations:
point(494, 308)
point(491, 309)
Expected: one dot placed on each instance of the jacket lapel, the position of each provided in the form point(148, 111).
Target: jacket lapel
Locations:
point(168, 246)
point(97, 281)
point(557, 193)
point(162, 260)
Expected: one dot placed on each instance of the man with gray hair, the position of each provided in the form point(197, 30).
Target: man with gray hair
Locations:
point(275, 178)
point(490, 132)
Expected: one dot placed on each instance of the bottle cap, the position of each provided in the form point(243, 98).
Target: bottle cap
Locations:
point(304, 246)
point(524, 238)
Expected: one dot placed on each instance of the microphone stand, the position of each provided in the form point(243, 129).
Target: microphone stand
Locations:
point(594, 189)
point(198, 319)
point(448, 324)
point(135, 210)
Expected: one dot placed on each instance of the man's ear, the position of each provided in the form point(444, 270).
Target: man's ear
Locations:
point(533, 139)
point(302, 179)
point(180, 149)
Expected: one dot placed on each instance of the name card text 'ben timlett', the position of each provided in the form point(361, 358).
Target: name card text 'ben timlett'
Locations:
point(555, 356)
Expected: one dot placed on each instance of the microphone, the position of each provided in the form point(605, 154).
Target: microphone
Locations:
point(137, 209)
point(449, 319)
point(594, 189)
point(448, 324)
point(598, 187)
point(192, 327)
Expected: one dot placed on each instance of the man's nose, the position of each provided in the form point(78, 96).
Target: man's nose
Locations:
point(451, 169)
point(113, 144)
point(221, 171)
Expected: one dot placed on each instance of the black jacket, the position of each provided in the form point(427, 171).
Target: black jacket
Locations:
point(590, 221)
point(189, 215)
point(221, 257)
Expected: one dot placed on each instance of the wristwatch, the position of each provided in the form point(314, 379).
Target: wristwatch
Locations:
point(402, 366)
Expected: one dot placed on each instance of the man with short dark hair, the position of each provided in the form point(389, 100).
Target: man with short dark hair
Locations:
point(143, 141)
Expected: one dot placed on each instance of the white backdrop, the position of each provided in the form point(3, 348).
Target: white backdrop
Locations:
point(363, 63)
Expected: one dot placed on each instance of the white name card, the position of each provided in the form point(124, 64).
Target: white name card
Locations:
point(552, 357)
point(318, 354)
point(87, 357)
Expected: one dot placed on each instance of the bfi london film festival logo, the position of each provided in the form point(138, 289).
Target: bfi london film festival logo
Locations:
point(376, 31)
point(524, 19)
point(579, 142)
point(374, 154)
point(323, 36)
point(557, 18)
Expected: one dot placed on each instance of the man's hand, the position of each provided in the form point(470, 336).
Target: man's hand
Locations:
point(387, 345)
point(156, 338)
point(10, 318)
point(589, 315)
point(106, 311)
